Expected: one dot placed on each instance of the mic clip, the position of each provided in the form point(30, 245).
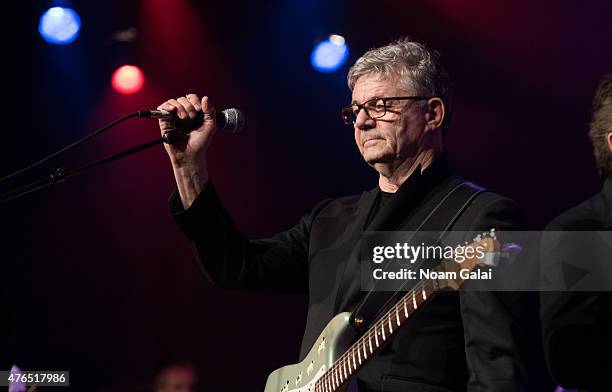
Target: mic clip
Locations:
point(172, 136)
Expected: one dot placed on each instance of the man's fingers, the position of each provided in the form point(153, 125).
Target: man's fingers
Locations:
point(189, 108)
point(207, 108)
point(167, 123)
point(195, 101)
point(180, 110)
point(167, 107)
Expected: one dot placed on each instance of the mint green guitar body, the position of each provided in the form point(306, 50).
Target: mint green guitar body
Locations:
point(337, 353)
point(335, 339)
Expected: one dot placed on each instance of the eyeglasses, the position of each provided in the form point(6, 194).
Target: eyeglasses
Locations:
point(374, 108)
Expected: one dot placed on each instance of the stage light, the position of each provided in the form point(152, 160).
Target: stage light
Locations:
point(128, 79)
point(59, 25)
point(329, 55)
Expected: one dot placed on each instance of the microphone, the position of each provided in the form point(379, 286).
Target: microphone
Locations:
point(230, 120)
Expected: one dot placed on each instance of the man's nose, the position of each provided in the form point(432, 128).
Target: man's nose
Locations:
point(364, 121)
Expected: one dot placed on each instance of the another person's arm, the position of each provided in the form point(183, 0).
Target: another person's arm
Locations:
point(493, 337)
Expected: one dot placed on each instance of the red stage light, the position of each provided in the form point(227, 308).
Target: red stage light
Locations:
point(128, 79)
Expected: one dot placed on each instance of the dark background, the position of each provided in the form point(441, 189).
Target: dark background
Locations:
point(101, 281)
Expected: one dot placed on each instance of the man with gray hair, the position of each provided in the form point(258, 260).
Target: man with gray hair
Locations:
point(399, 111)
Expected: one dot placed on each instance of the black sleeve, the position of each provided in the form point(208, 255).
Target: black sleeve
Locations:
point(230, 260)
point(578, 338)
point(576, 325)
point(491, 326)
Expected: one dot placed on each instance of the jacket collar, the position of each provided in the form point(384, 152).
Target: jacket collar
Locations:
point(408, 196)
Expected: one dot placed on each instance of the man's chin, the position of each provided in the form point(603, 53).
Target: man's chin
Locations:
point(373, 158)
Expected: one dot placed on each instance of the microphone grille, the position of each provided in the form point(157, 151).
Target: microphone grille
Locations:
point(234, 120)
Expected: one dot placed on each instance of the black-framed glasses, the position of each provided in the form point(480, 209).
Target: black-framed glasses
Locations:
point(374, 108)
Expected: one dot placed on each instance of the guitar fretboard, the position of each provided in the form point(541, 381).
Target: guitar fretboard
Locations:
point(345, 366)
point(379, 333)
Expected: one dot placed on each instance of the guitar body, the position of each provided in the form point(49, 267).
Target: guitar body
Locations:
point(335, 339)
point(338, 352)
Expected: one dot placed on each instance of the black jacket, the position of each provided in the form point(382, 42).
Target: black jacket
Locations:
point(456, 343)
point(577, 326)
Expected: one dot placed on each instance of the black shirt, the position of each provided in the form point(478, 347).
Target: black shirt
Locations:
point(381, 201)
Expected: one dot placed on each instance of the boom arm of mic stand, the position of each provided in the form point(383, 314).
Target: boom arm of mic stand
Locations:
point(60, 174)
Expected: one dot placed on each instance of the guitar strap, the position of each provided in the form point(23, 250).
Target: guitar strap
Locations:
point(444, 214)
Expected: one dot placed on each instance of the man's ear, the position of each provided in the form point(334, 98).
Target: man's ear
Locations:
point(610, 141)
point(436, 112)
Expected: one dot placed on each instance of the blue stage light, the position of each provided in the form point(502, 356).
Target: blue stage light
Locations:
point(59, 25)
point(329, 55)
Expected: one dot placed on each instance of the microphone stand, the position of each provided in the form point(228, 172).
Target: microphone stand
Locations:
point(60, 175)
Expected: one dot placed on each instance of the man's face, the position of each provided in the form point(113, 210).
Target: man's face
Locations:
point(179, 379)
point(395, 137)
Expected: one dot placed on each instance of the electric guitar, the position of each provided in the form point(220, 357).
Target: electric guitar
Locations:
point(336, 356)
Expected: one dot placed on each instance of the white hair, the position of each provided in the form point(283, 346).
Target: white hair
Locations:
point(416, 67)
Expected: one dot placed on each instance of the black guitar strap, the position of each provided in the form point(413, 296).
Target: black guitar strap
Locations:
point(444, 214)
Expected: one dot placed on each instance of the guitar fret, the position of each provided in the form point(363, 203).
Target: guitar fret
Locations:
point(382, 328)
point(370, 341)
point(359, 355)
point(336, 378)
point(390, 326)
point(414, 303)
point(397, 316)
point(365, 354)
point(344, 368)
point(376, 335)
point(354, 362)
point(424, 295)
point(405, 307)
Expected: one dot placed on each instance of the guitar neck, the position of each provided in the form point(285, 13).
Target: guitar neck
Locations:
point(379, 333)
point(376, 336)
